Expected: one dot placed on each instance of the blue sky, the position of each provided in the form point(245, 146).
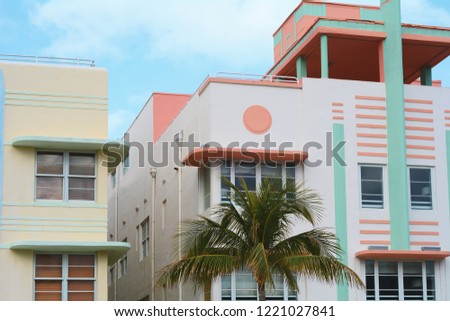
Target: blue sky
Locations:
point(165, 46)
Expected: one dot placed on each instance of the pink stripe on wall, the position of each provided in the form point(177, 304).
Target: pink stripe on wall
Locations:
point(371, 107)
point(363, 116)
point(424, 223)
point(366, 135)
point(427, 138)
point(375, 242)
point(416, 119)
point(375, 232)
point(418, 110)
point(374, 126)
point(425, 243)
point(381, 222)
point(429, 157)
point(370, 98)
point(419, 101)
point(363, 154)
point(425, 233)
point(337, 104)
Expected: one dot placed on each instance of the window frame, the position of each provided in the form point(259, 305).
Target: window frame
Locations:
point(383, 186)
point(144, 242)
point(65, 274)
point(233, 289)
point(258, 173)
point(66, 175)
point(432, 187)
point(400, 276)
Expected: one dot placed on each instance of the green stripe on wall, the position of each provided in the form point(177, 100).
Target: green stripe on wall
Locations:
point(397, 170)
point(447, 135)
point(340, 204)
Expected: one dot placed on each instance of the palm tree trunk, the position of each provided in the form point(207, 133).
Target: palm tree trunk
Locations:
point(207, 291)
point(262, 292)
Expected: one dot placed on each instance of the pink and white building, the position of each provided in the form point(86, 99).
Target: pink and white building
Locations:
point(344, 79)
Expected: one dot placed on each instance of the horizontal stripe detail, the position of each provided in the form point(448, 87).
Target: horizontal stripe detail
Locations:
point(425, 233)
point(362, 116)
point(61, 223)
point(338, 111)
point(374, 145)
point(377, 98)
point(57, 204)
point(381, 222)
point(425, 129)
point(338, 117)
point(370, 107)
point(54, 230)
point(416, 119)
point(15, 92)
point(420, 147)
point(425, 223)
point(70, 101)
point(337, 104)
point(447, 111)
point(418, 110)
point(419, 101)
point(56, 219)
point(425, 243)
point(56, 106)
point(375, 242)
point(366, 135)
point(366, 154)
point(430, 157)
point(374, 232)
point(374, 126)
point(427, 138)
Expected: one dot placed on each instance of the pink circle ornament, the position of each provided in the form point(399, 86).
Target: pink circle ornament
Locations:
point(257, 119)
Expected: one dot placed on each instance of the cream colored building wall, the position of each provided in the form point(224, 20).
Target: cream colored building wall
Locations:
point(51, 101)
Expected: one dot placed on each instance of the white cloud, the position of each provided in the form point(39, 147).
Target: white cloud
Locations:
point(231, 31)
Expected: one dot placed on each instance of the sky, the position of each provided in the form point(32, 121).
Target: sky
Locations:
point(166, 46)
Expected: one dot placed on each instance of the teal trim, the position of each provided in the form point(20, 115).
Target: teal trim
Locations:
point(58, 204)
point(371, 15)
point(307, 9)
point(301, 68)
point(66, 143)
point(4, 246)
point(9, 104)
point(447, 137)
point(333, 24)
point(17, 92)
point(426, 32)
point(53, 230)
point(37, 223)
point(426, 78)
point(324, 56)
point(2, 135)
point(115, 250)
point(278, 37)
point(340, 204)
point(397, 169)
point(56, 219)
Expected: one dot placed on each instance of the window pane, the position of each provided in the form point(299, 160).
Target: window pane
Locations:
point(226, 288)
point(48, 286)
point(48, 259)
point(50, 163)
point(420, 188)
point(246, 288)
point(81, 272)
point(272, 173)
point(49, 188)
point(47, 296)
point(80, 260)
point(81, 285)
point(412, 280)
point(225, 172)
point(82, 164)
point(82, 189)
point(372, 187)
point(48, 266)
point(81, 296)
point(245, 172)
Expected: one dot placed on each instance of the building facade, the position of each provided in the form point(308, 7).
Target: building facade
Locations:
point(53, 202)
point(351, 109)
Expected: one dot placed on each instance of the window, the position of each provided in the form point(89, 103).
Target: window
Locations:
point(404, 281)
point(420, 189)
point(372, 187)
point(126, 164)
point(65, 176)
point(111, 275)
point(64, 277)
point(254, 174)
point(123, 263)
point(241, 286)
point(145, 239)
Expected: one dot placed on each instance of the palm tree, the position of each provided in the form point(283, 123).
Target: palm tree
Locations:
point(253, 231)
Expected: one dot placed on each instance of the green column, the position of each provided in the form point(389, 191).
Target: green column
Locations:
point(324, 55)
point(340, 204)
point(397, 169)
point(301, 68)
point(426, 78)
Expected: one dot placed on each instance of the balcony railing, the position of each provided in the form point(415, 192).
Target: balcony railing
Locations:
point(48, 60)
point(269, 78)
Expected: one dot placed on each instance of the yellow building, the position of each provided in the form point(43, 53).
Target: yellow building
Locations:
point(53, 203)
